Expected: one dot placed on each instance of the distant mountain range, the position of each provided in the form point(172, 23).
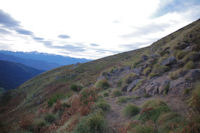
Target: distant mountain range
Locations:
point(13, 74)
point(41, 61)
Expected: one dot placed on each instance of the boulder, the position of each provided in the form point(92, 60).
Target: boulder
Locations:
point(164, 88)
point(144, 58)
point(193, 75)
point(153, 88)
point(133, 84)
point(137, 71)
point(169, 61)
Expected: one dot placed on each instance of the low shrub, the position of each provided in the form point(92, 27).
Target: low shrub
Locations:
point(129, 78)
point(103, 105)
point(189, 65)
point(76, 87)
point(146, 71)
point(192, 56)
point(116, 93)
point(105, 94)
point(103, 84)
point(50, 118)
point(152, 109)
point(169, 122)
point(194, 101)
point(54, 98)
point(131, 110)
point(180, 54)
point(93, 123)
point(123, 99)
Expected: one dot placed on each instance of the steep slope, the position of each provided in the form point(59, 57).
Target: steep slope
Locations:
point(41, 61)
point(153, 89)
point(14, 74)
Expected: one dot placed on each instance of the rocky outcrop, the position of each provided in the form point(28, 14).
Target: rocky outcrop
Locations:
point(133, 85)
point(169, 61)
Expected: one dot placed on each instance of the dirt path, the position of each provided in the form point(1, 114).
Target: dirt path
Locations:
point(115, 117)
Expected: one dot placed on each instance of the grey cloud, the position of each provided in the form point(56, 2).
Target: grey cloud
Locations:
point(3, 31)
point(38, 38)
point(24, 32)
point(93, 44)
point(64, 36)
point(7, 21)
point(148, 29)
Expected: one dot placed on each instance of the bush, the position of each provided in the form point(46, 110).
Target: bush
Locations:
point(180, 54)
point(50, 118)
point(129, 78)
point(123, 99)
point(105, 94)
point(103, 105)
point(174, 75)
point(189, 65)
point(170, 122)
point(131, 110)
point(102, 84)
point(116, 93)
point(93, 123)
point(146, 71)
point(195, 98)
point(152, 109)
point(192, 56)
point(76, 87)
point(158, 69)
point(54, 99)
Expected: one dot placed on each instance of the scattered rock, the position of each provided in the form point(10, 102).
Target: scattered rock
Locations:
point(133, 84)
point(169, 61)
point(144, 58)
point(164, 88)
point(193, 75)
point(153, 88)
point(137, 71)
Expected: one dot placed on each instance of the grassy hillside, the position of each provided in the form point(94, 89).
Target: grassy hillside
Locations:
point(14, 74)
point(153, 89)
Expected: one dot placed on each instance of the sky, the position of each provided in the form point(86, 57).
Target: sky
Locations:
point(90, 29)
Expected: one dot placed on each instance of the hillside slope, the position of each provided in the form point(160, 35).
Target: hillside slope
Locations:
point(149, 90)
point(14, 74)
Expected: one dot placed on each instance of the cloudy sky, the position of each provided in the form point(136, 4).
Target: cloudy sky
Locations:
point(90, 28)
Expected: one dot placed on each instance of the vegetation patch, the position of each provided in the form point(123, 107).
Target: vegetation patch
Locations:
point(131, 110)
point(169, 122)
point(76, 87)
point(194, 101)
point(54, 99)
point(93, 123)
point(152, 109)
point(116, 93)
point(102, 104)
point(50, 118)
point(123, 99)
point(103, 84)
point(189, 65)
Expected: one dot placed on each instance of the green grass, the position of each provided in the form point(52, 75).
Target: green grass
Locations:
point(116, 93)
point(123, 99)
point(152, 109)
point(54, 98)
point(131, 110)
point(194, 100)
point(170, 122)
point(76, 87)
point(93, 123)
point(50, 118)
point(102, 104)
point(103, 84)
point(146, 71)
point(189, 65)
